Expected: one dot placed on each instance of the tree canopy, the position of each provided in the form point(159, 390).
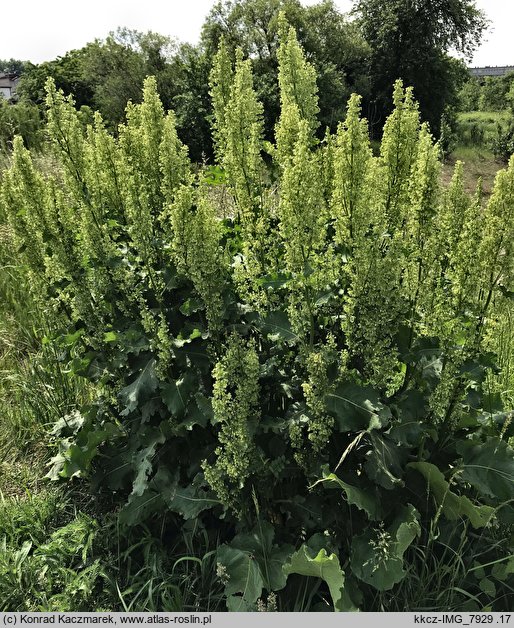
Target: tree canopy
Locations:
point(332, 43)
point(364, 53)
point(411, 39)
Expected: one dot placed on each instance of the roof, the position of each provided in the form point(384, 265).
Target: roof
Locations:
point(489, 70)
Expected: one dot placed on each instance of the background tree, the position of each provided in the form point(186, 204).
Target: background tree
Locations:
point(411, 39)
point(469, 94)
point(68, 74)
point(12, 66)
point(332, 43)
point(494, 92)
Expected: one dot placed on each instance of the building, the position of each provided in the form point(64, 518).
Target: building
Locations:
point(497, 70)
point(8, 83)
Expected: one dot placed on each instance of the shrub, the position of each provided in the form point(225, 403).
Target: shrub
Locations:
point(304, 379)
point(21, 119)
point(502, 144)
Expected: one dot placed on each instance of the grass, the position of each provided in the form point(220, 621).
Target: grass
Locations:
point(475, 132)
point(479, 163)
point(484, 117)
point(478, 128)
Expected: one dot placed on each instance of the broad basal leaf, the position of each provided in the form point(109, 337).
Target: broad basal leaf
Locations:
point(365, 499)
point(277, 326)
point(244, 574)
point(270, 558)
point(319, 566)
point(453, 506)
point(143, 463)
point(489, 467)
point(140, 507)
point(143, 385)
point(74, 458)
point(191, 501)
point(357, 408)
point(377, 554)
point(176, 394)
point(384, 463)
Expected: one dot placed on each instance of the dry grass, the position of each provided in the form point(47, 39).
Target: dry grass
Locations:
point(478, 162)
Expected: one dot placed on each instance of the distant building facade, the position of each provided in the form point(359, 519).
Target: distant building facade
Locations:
point(496, 70)
point(8, 85)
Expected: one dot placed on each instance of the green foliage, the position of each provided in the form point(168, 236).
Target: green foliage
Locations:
point(22, 119)
point(333, 43)
point(377, 554)
point(503, 143)
point(494, 93)
point(410, 41)
point(44, 567)
point(293, 379)
point(12, 66)
point(320, 566)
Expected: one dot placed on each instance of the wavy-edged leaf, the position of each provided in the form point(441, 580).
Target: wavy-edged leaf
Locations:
point(274, 281)
point(143, 463)
point(377, 555)
point(191, 500)
point(319, 566)
point(278, 327)
point(176, 394)
point(489, 467)
point(384, 464)
point(140, 507)
point(244, 574)
point(453, 506)
point(143, 385)
point(364, 499)
point(270, 558)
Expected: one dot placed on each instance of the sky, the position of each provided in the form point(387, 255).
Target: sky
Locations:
point(40, 30)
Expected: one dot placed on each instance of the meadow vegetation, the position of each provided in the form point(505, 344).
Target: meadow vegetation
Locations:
point(283, 381)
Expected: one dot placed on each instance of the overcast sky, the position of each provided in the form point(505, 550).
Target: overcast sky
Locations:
point(40, 30)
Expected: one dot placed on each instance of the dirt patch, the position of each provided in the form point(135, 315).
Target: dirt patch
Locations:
point(476, 164)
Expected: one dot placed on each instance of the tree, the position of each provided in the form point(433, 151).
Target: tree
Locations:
point(410, 39)
point(12, 66)
point(186, 84)
point(117, 66)
point(494, 92)
point(20, 118)
point(469, 95)
point(68, 74)
point(332, 44)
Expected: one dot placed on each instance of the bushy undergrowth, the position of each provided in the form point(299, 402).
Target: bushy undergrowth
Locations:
point(299, 376)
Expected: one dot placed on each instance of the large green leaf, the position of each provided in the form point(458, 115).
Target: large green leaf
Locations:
point(244, 574)
point(411, 425)
point(143, 385)
point(365, 499)
point(322, 566)
point(453, 506)
point(143, 463)
point(277, 326)
point(191, 501)
point(140, 507)
point(270, 558)
point(489, 467)
point(377, 554)
point(426, 355)
point(384, 461)
point(357, 408)
point(176, 394)
point(74, 458)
